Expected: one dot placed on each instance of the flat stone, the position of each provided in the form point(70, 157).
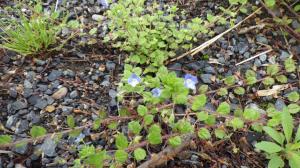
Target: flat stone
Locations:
point(10, 122)
point(33, 99)
point(60, 93)
point(17, 105)
point(96, 17)
point(74, 94)
point(206, 78)
point(13, 92)
point(41, 103)
point(242, 47)
point(279, 104)
point(55, 74)
point(21, 149)
point(284, 55)
point(112, 93)
point(48, 147)
point(110, 65)
point(21, 126)
point(50, 108)
point(262, 39)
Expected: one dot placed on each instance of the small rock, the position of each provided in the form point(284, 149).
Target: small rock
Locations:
point(39, 62)
point(10, 122)
point(74, 94)
point(257, 63)
point(61, 93)
point(27, 92)
point(110, 65)
point(206, 78)
point(41, 103)
point(13, 92)
point(112, 93)
point(48, 147)
point(21, 149)
point(263, 57)
point(279, 104)
point(295, 24)
point(27, 84)
point(55, 74)
point(261, 39)
point(17, 105)
point(105, 83)
point(284, 55)
point(33, 117)
point(243, 47)
point(195, 66)
point(66, 109)
point(50, 108)
point(21, 126)
point(210, 70)
point(96, 17)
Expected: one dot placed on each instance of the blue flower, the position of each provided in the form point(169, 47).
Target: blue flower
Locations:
point(190, 81)
point(156, 92)
point(133, 80)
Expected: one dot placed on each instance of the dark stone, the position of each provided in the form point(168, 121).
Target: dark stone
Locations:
point(55, 74)
point(206, 78)
point(21, 126)
point(17, 105)
point(41, 103)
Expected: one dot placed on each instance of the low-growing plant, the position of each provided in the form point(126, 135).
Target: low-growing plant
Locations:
point(285, 147)
point(34, 34)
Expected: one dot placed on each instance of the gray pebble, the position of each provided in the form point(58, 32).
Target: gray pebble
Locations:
point(74, 94)
point(55, 74)
point(48, 147)
point(206, 78)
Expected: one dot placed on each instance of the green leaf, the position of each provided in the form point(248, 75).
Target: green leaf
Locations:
point(121, 141)
point(184, 126)
point(97, 124)
point(96, 160)
point(204, 133)
point(239, 91)
point(203, 89)
point(237, 123)
point(293, 108)
point(5, 139)
point(175, 141)
point(278, 137)
point(220, 133)
point(211, 120)
point(224, 108)
point(289, 65)
point(37, 131)
point(270, 3)
point(142, 110)
point(154, 136)
point(121, 156)
point(230, 80)
point(202, 116)
point(297, 8)
point(272, 69)
point(233, 2)
point(148, 119)
point(93, 31)
point(268, 81)
point(135, 127)
point(86, 151)
point(180, 99)
point(70, 121)
point(293, 96)
point(268, 147)
point(287, 124)
point(281, 78)
point(73, 24)
point(276, 162)
point(222, 92)
point(294, 159)
point(251, 114)
point(199, 102)
point(297, 136)
point(75, 133)
point(139, 154)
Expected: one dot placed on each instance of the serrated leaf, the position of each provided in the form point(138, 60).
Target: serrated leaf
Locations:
point(184, 126)
point(135, 127)
point(97, 124)
point(297, 8)
point(251, 114)
point(237, 123)
point(281, 78)
point(293, 108)
point(70, 121)
point(142, 110)
point(278, 137)
point(93, 31)
point(230, 80)
point(270, 3)
point(5, 139)
point(86, 151)
point(287, 124)
point(297, 136)
point(294, 159)
point(139, 154)
point(276, 162)
point(121, 156)
point(220, 133)
point(199, 102)
point(224, 108)
point(202, 116)
point(37, 131)
point(268, 147)
point(175, 141)
point(293, 96)
point(239, 91)
point(289, 65)
point(121, 141)
point(148, 119)
point(272, 69)
point(204, 133)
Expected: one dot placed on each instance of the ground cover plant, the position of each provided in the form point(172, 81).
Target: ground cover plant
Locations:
point(171, 105)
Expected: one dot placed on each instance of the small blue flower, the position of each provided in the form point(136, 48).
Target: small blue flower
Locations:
point(190, 81)
point(133, 80)
point(156, 92)
point(104, 3)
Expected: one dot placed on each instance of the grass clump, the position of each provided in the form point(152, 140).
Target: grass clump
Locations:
point(31, 35)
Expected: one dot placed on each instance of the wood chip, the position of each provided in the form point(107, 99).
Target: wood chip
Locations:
point(50, 108)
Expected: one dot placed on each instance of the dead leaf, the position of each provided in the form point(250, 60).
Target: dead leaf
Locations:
point(275, 89)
